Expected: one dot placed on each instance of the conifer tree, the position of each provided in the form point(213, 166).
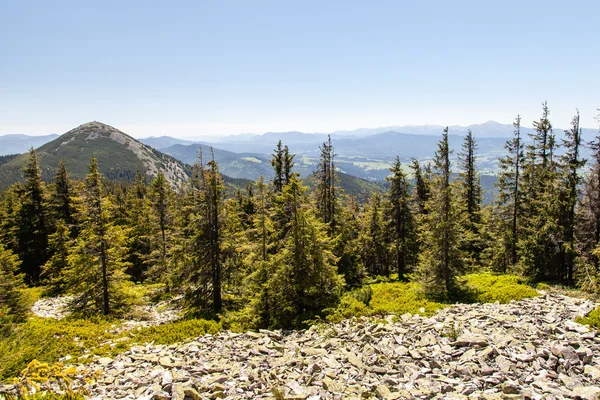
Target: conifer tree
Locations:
point(572, 163)
point(421, 187)
point(31, 222)
point(12, 307)
point(588, 222)
point(97, 263)
point(470, 196)
point(10, 205)
point(62, 197)
point(161, 196)
point(399, 225)
point(510, 193)
point(325, 190)
point(140, 233)
point(278, 165)
point(304, 281)
point(540, 245)
point(374, 252)
point(205, 271)
point(440, 260)
point(54, 269)
point(347, 247)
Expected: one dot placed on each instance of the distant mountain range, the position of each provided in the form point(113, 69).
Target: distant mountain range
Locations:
point(17, 144)
point(120, 156)
point(364, 153)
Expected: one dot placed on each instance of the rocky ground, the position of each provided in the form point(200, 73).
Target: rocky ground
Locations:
point(527, 349)
point(145, 315)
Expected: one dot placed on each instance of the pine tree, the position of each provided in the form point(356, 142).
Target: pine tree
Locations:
point(374, 252)
point(470, 198)
point(97, 259)
point(325, 190)
point(161, 196)
point(572, 163)
point(62, 197)
point(10, 204)
point(205, 271)
point(140, 233)
point(304, 281)
point(278, 165)
point(32, 224)
point(421, 189)
point(510, 192)
point(588, 223)
point(440, 260)
point(54, 269)
point(12, 307)
point(540, 243)
point(399, 226)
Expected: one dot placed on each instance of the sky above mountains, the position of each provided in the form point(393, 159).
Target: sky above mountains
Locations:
point(194, 68)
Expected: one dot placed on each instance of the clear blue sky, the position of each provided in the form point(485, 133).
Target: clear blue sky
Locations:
point(190, 68)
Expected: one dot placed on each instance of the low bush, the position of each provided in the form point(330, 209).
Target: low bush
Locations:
point(49, 340)
point(385, 297)
point(176, 331)
point(592, 319)
point(489, 288)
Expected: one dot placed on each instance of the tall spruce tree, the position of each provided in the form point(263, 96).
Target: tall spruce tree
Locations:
point(572, 164)
point(161, 196)
point(421, 188)
point(32, 224)
point(12, 304)
point(470, 198)
point(205, 271)
point(540, 244)
point(399, 225)
point(138, 218)
point(440, 260)
point(510, 193)
point(325, 188)
point(54, 270)
point(62, 197)
point(374, 252)
point(304, 281)
point(95, 275)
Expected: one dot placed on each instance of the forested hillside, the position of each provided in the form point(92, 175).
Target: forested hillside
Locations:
point(277, 255)
point(287, 252)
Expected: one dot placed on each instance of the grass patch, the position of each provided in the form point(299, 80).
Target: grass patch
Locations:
point(592, 319)
point(407, 297)
point(48, 340)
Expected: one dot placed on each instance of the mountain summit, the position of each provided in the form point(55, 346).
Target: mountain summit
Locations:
point(119, 156)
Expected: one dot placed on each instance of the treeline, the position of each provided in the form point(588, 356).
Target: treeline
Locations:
point(277, 255)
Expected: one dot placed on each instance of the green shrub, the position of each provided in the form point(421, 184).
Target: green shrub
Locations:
point(349, 307)
point(49, 340)
point(176, 331)
point(401, 298)
point(592, 319)
point(489, 288)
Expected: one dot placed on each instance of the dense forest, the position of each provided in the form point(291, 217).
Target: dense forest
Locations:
point(276, 254)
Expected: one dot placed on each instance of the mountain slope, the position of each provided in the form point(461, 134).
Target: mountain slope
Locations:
point(18, 144)
point(119, 156)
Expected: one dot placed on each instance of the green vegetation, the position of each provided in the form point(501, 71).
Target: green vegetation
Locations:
point(408, 297)
point(49, 340)
point(279, 255)
point(592, 319)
